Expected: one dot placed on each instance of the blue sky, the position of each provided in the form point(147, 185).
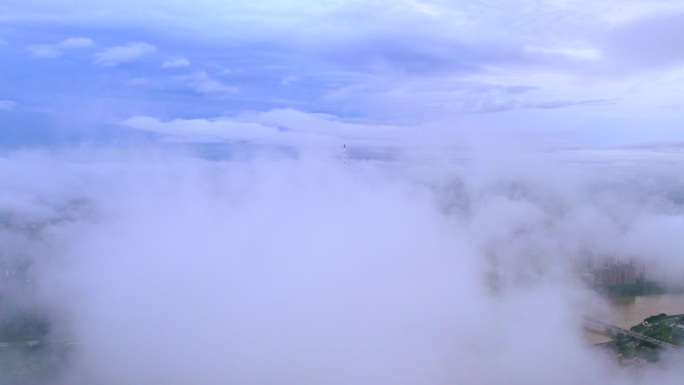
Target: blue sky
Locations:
point(606, 73)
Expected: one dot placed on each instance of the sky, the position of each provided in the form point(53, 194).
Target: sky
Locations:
point(172, 177)
point(575, 72)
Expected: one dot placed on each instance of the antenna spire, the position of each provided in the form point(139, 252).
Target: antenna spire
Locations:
point(344, 153)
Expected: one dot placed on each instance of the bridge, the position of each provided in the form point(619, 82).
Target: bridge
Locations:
point(602, 327)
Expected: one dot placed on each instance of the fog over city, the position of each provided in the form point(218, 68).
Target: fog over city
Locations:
point(168, 268)
point(341, 192)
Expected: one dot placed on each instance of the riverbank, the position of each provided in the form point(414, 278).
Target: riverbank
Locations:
point(640, 288)
point(628, 311)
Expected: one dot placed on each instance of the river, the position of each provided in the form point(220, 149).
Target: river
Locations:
point(629, 311)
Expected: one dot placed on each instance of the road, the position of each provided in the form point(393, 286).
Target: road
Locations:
point(603, 327)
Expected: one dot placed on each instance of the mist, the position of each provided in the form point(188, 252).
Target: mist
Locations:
point(168, 268)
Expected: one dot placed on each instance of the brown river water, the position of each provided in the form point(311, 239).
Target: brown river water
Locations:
point(626, 312)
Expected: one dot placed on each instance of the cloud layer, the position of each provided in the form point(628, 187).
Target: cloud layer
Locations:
point(172, 269)
point(123, 54)
point(440, 248)
point(554, 66)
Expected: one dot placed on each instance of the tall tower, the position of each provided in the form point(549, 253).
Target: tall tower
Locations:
point(344, 153)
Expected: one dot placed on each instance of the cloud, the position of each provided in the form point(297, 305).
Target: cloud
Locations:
point(289, 80)
point(647, 43)
point(139, 82)
point(43, 51)
point(7, 105)
point(519, 89)
point(123, 54)
point(324, 124)
point(49, 51)
point(176, 63)
point(201, 130)
point(576, 53)
point(566, 103)
point(345, 92)
point(203, 83)
point(674, 146)
point(76, 42)
point(283, 127)
point(166, 268)
point(400, 62)
point(499, 105)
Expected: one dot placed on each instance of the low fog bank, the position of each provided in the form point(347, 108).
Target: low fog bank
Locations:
point(172, 269)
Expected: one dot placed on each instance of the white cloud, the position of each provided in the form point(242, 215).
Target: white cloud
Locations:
point(346, 92)
point(203, 83)
point(123, 54)
point(76, 42)
point(139, 82)
point(289, 80)
point(426, 7)
point(176, 63)
point(571, 52)
point(282, 126)
point(627, 11)
point(202, 130)
point(43, 51)
point(6, 105)
point(327, 125)
point(49, 51)
point(394, 287)
point(401, 60)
